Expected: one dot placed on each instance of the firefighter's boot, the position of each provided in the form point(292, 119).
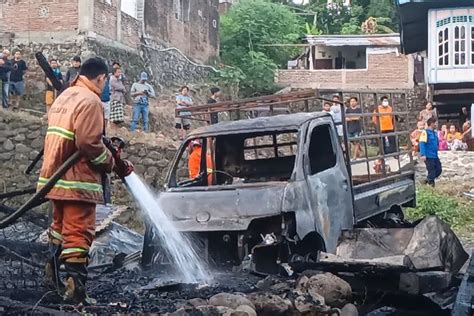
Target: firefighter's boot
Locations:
point(51, 274)
point(76, 284)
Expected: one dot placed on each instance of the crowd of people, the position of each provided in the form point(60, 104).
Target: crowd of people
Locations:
point(12, 71)
point(427, 138)
point(383, 122)
point(115, 95)
point(450, 136)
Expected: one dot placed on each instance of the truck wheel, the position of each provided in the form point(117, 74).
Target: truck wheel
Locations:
point(308, 250)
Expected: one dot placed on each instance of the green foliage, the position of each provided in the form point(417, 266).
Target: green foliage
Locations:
point(338, 19)
point(312, 30)
point(248, 32)
point(458, 213)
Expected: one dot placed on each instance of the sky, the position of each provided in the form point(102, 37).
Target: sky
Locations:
point(128, 6)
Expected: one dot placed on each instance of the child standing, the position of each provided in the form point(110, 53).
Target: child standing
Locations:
point(429, 151)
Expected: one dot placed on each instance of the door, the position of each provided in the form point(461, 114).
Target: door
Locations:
point(327, 183)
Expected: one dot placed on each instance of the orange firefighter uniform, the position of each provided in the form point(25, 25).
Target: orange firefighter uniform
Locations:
point(194, 164)
point(75, 123)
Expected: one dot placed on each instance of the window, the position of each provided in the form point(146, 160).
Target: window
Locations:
point(443, 47)
point(321, 150)
point(459, 45)
point(472, 45)
point(181, 10)
point(270, 146)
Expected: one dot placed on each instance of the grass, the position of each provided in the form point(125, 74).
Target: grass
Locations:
point(455, 210)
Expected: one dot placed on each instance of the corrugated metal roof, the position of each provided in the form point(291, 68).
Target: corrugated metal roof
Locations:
point(355, 40)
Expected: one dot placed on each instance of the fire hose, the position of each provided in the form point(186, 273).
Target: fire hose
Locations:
point(122, 168)
point(40, 194)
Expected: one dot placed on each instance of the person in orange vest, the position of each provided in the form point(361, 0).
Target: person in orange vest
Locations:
point(75, 123)
point(194, 162)
point(385, 123)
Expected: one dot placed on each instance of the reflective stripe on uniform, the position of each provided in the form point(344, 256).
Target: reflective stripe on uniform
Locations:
point(61, 132)
point(73, 185)
point(101, 158)
point(55, 234)
point(68, 251)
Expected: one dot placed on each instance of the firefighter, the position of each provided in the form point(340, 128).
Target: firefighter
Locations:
point(194, 162)
point(76, 123)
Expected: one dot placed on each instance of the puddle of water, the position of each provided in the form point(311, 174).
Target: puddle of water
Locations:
point(180, 250)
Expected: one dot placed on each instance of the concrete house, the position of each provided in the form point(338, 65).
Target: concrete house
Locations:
point(349, 62)
point(442, 32)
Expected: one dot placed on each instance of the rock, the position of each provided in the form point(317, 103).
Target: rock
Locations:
point(8, 145)
point(33, 135)
point(302, 285)
point(349, 310)
point(142, 152)
point(336, 291)
point(34, 127)
point(224, 310)
point(19, 138)
point(268, 304)
point(33, 154)
point(244, 310)
point(162, 163)
point(303, 304)
point(20, 148)
point(6, 156)
point(197, 302)
point(310, 303)
point(154, 155)
point(152, 171)
point(148, 162)
point(140, 169)
point(37, 143)
point(133, 159)
point(230, 300)
point(22, 130)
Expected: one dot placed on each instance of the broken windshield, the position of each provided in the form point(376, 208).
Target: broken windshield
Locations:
point(236, 159)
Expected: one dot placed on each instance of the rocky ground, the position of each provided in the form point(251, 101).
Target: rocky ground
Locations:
point(230, 294)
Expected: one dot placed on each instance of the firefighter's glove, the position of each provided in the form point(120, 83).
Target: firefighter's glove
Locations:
point(123, 168)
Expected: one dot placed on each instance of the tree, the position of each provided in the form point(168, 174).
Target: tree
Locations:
point(249, 33)
point(339, 19)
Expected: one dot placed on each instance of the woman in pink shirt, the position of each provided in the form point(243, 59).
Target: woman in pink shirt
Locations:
point(443, 144)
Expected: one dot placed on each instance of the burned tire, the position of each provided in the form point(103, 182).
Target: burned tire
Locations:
point(309, 249)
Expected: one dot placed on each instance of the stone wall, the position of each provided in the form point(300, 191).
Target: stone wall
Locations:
point(458, 168)
point(22, 137)
point(170, 69)
point(385, 71)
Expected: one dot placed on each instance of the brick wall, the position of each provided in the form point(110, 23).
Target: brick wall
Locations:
point(385, 71)
point(105, 19)
point(194, 31)
point(131, 30)
point(38, 15)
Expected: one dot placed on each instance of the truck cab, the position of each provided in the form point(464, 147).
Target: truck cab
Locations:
point(278, 184)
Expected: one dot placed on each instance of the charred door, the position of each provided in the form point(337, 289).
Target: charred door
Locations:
point(327, 183)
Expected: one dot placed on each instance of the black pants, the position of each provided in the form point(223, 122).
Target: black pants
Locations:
point(433, 166)
point(389, 143)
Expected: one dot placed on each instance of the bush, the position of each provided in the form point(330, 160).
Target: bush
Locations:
point(458, 213)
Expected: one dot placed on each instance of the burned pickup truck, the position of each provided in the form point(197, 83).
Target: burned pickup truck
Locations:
point(282, 186)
